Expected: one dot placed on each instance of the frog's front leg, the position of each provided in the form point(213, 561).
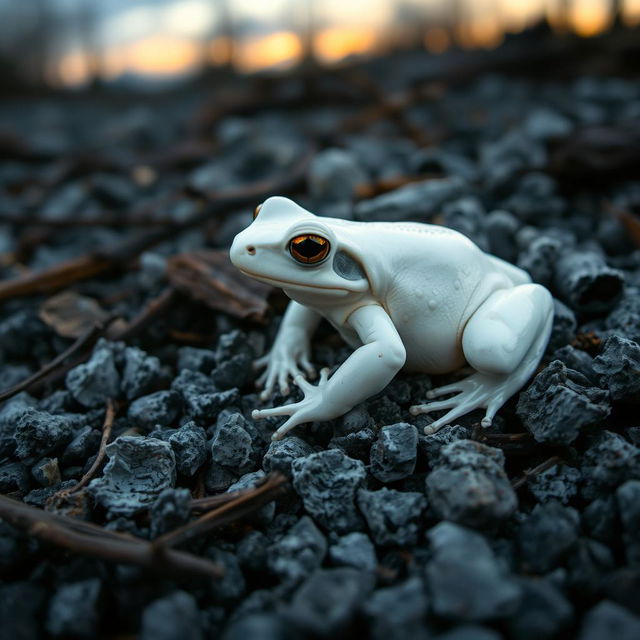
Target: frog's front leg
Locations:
point(291, 349)
point(504, 341)
point(364, 373)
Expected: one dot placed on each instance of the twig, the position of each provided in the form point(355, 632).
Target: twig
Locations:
point(84, 342)
point(106, 434)
point(151, 310)
point(93, 264)
point(547, 464)
point(237, 508)
point(90, 540)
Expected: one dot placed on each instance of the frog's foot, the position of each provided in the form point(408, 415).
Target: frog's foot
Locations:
point(313, 407)
point(279, 367)
point(481, 390)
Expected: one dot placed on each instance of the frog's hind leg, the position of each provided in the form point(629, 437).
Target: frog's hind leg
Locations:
point(503, 341)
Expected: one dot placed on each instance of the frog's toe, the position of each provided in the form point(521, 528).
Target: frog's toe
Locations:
point(455, 387)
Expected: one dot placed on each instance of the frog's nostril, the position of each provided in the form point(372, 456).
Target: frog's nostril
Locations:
point(251, 250)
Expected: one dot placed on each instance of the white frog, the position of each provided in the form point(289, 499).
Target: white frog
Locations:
point(404, 295)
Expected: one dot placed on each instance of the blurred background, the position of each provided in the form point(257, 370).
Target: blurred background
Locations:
point(85, 43)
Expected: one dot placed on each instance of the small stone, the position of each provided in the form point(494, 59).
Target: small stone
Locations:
point(628, 499)
point(334, 174)
point(547, 535)
point(600, 519)
point(432, 444)
point(38, 434)
point(137, 472)
point(189, 444)
point(393, 454)
point(171, 510)
point(171, 617)
point(261, 626)
point(417, 201)
point(398, 611)
point(73, 610)
point(618, 367)
point(609, 621)
point(298, 553)
point(231, 587)
point(14, 476)
point(558, 483)
point(470, 632)
point(327, 602)
point(231, 445)
point(142, 373)
point(85, 443)
point(233, 373)
point(469, 485)
point(393, 516)
point(193, 359)
point(607, 463)
point(327, 482)
point(354, 550)
point(97, 380)
point(559, 403)
point(161, 407)
point(281, 453)
point(22, 605)
point(577, 360)
point(264, 514)
point(589, 565)
point(544, 611)
point(252, 551)
point(564, 326)
point(466, 581)
point(46, 472)
point(355, 445)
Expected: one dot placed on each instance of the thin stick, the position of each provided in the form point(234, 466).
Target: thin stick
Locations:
point(102, 451)
point(547, 464)
point(83, 342)
point(63, 532)
point(243, 505)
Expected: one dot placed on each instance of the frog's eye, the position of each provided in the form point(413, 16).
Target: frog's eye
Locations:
point(256, 211)
point(309, 249)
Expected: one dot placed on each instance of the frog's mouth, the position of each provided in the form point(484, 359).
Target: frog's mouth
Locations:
point(289, 284)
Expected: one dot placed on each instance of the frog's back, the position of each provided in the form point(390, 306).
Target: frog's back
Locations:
point(432, 284)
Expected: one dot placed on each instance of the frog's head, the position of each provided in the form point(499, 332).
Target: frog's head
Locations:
point(289, 247)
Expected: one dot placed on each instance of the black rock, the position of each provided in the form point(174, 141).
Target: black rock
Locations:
point(265, 514)
point(559, 403)
point(564, 326)
point(588, 567)
point(328, 600)
point(465, 579)
point(85, 443)
point(469, 485)
point(334, 175)
point(262, 626)
point(202, 401)
point(234, 372)
point(46, 472)
point(624, 319)
point(193, 359)
point(393, 517)
point(398, 611)
point(230, 445)
point(432, 444)
point(97, 380)
point(354, 550)
point(327, 483)
point(470, 632)
point(600, 519)
point(139, 469)
point(577, 360)
point(74, 610)
point(540, 257)
point(628, 499)
point(500, 228)
point(543, 613)
point(231, 587)
point(609, 621)
point(281, 453)
point(298, 553)
point(617, 367)
point(607, 463)
point(159, 408)
point(21, 610)
point(393, 454)
point(141, 374)
point(189, 444)
point(417, 201)
point(38, 434)
point(170, 511)
point(171, 617)
point(547, 535)
point(558, 483)
point(14, 476)
point(355, 445)
point(252, 551)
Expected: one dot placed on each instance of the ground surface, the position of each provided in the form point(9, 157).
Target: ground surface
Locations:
point(382, 531)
